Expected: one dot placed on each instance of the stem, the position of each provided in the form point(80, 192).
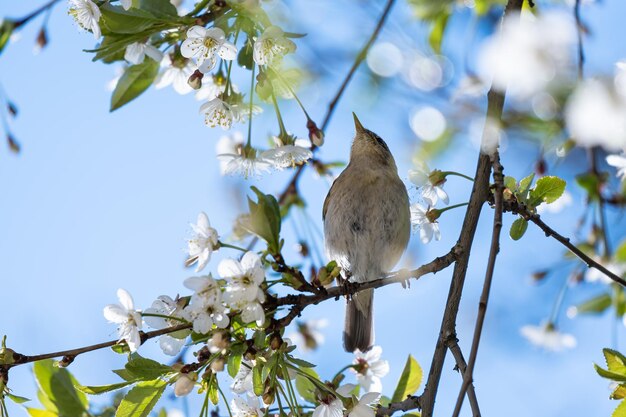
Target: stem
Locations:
point(163, 316)
point(554, 314)
point(228, 245)
point(201, 5)
point(34, 14)
point(249, 142)
point(223, 398)
point(281, 125)
point(443, 210)
point(458, 174)
point(293, 93)
point(228, 89)
point(345, 368)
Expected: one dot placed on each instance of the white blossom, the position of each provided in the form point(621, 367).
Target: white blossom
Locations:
point(87, 14)
point(203, 243)
point(332, 407)
point(228, 144)
point(172, 343)
point(527, 53)
point(271, 46)
point(127, 318)
point(176, 74)
point(548, 337)
point(242, 382)
point(204, 44)
point(205, 309)
point(431, 192)
point(244, 162)
point(211, 89)
point(619, 163)
point(246, 408)
point(370, 368)
point(185, 383)
point(595, 115)
point(218, 113)
point(428, 228)
point(288, 156)
point(136, 52)
point(363, 407)
point(243, 278)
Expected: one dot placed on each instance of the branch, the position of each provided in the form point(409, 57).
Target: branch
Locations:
point(34, 14)
point(480, 192)
point(455, 349)
point(468, 375)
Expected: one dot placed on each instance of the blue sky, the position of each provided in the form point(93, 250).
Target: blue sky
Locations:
point(99, 200)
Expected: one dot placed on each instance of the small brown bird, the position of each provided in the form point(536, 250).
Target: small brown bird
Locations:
point(367, 224)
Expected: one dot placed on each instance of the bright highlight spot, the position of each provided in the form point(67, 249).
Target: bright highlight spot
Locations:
point(428, 123)
point(385, 59)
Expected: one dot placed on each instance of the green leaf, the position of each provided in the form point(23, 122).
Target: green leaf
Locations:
point(518, 228)
point(410, 380)
point(429, 9)
point(57, 386)
point(306, 388)
point(6, 30)
point(620, 252)
point(117, 20)
point(436, 32)
point(590, 183)
point(17, 399)
point(97, 390)
point(619, 392)
point(245, 57)
point(160, 9)
point(609, 375)
point(524, 185)
point(233, 364)
point(213, 392)
point(257, 380)
point(300, 362)
point(547, 190)
point(597, 304)
point(265, 219)
point(141, 399)
point(146, 369)
point(125, 375)
point(615, 361)
point(414, 414)
point(135, 80)
point(510, 183)
point(385, 401)
point(34, 412)
point(620, 411)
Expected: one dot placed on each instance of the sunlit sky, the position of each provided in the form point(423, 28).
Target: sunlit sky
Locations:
point(97, 201)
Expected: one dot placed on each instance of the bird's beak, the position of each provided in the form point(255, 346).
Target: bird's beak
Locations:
point(357, 124)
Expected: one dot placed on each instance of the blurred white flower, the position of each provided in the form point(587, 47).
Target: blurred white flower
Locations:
point(557, 206)
point(203, 243)
point(330, 407)
point(620, 77)
point(185, 383)
point(271, 46)
point(308, 335)
point(246, 408)
point(136, 52)
point(218, 113)
point(204, 44)
point(127, 318)
point(419, 219)
point(211, 89)
point(287, 156)
point(87, 14)
point(548, 337)
point(619, 162)
point(176, 74)
point(244, 162)
point(242, 382)
point(527, 53)
point(370, 368)
point(205, 309)
point(172, 343)
point(595, 275)
point(428, 123)
point(596, 116)
point(228, 144)
point(363, 408)
point(430, 183)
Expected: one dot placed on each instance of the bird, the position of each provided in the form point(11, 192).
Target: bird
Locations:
point(367, 225)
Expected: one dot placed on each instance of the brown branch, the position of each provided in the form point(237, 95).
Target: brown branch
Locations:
point(480, 192)
point(20, 359)
point(468, 375)
point(455, 349)
point(34, 14)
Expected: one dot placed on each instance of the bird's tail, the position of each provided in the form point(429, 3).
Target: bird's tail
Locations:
point(359, 328)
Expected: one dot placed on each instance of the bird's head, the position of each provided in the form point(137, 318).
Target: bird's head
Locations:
point(369, 146)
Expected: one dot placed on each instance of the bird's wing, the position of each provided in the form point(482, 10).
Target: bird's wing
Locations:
point(327, 199)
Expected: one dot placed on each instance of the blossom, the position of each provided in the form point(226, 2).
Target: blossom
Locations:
point(175, 73)
point(331, 407)
point(228, 144)
point(204, 44)
point(428, 228)
point(546, 336)
point(246, 408)
point(218, 112)
point(244, 162)
point(87, 15)
point(127, 318)
point(243, 278)
point(363, 407)
point(136, 52)
point(288, 156)
point(212, 87)
point(370, 368)
point(430, 184)
point(242, 382)
point(595, 115)
point(172, 343)
point(619, 162)
point(205, 309)
point(203, 243)
point(185, 383)
point(527, 53)
point(219, 342)
point(271, 46)
point(308, 335)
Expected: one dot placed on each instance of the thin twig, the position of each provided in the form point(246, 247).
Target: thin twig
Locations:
point(480, 193)
point(455, 349)
point(34, 14)
point(579, 32)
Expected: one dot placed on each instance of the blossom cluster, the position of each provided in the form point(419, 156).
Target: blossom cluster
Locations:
point(430, 185)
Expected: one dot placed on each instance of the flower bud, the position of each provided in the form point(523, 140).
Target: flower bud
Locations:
point(316, 136)
point(195, 80)
point(14, 145)
point(185, 383)
point(217, 365)
point(219, 342)
point(269, 395)
point(42, 39)
point(276, 341)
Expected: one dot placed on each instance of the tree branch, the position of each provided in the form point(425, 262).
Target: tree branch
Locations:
point(455, 349)
point(480, 192)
